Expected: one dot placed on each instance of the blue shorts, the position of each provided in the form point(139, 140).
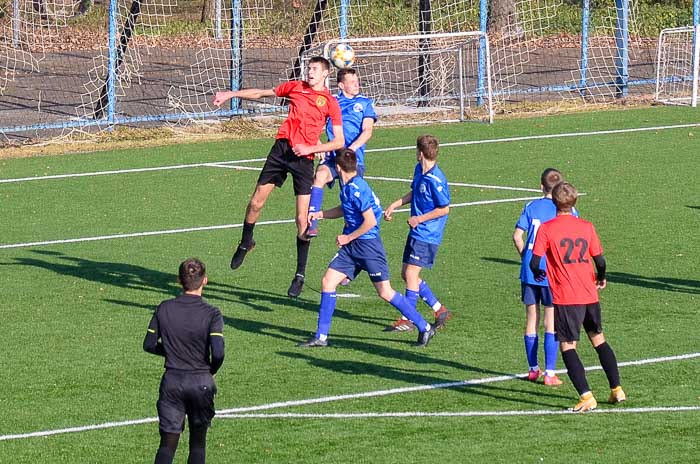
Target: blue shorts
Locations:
point(362, 255)
point(418, 253)
point(535, 294)
point(330, 164)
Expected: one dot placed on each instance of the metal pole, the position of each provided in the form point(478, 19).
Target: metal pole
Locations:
point(483, 22)
point(621, 45)
point(461, 83)
point(112, 65)
point(425, 28)
point(585, 23)
point(344, 6)
point(696, 60)
point(236, 53)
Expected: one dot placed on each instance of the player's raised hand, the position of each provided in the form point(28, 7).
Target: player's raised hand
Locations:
point(342, 240)
point(600, 284)
point(413, 222)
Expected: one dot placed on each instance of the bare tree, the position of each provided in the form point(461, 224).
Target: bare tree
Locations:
point(208, 10)
point(503, 20)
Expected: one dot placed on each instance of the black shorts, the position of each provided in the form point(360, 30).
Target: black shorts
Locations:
point(282, 161)
point(568, 320)
point(190, 393)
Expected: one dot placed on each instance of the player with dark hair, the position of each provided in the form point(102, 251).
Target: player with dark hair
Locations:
point(430, 204)
point(570, 244)
point(358, 123)
point(361, 249)
point(534, 293)
point(310, 105)
point(188, 332)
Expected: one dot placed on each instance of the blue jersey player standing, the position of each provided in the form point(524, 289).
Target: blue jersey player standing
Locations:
point(358, 122)
point(430, 204)
point(535, 292)
point(361, 249)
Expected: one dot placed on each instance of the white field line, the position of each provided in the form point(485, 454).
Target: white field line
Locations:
point(138, 234)
point(373, 415)
point(371, 150)
point(327, 399)
point(545, 136)
point(204, 228)
point(459, 184)
point(126, 171)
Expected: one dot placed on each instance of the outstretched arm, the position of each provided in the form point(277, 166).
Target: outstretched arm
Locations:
point(397, 204)
point(249, 94)
point(333, 213)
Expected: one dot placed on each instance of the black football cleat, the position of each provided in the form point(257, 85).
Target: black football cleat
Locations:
point(240, 253)
point(314, 342)
point(296, 286)
point(425, 337)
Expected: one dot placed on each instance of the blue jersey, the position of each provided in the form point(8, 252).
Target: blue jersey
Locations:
point(354, 111)
point(357, 197)
point(429, 191)
point(534, 214)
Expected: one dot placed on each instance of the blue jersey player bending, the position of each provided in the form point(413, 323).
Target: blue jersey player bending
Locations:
point(361, 249)
point(430, 203)
point(536, 292)
point(358, 122)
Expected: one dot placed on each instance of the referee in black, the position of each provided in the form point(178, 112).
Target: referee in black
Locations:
point(188, 332)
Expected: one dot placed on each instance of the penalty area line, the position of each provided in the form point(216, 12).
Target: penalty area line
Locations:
point(326, 399)
point(380, 415)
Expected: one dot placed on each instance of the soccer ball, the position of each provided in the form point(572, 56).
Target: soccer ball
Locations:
point(342, 56)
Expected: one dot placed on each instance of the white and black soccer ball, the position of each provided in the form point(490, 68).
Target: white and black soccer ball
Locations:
point(343, 56)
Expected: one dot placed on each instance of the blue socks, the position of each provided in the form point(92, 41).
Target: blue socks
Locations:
point(531, 344)
point(551, 346)
point(315, 204)
point(408, 311)
point(325, 314)
point(412, 297)
point(427, 295)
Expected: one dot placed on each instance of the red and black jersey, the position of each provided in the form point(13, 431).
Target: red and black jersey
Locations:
point(308, 111)
point(569, 243)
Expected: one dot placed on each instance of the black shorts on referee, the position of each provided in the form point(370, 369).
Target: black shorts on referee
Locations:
point(185, 393)
point(282, 161)
point(568, 320)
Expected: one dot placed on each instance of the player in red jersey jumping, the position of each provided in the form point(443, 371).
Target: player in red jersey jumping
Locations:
point(570, 244)
point(310, 105)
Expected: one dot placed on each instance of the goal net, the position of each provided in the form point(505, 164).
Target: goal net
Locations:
point(677, 66)
point(422, 77)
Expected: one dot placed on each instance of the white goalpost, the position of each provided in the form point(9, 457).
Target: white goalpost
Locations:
point(423, 77)
point(677, 66)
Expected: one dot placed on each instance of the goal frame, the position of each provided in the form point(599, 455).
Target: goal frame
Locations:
point(662, 79)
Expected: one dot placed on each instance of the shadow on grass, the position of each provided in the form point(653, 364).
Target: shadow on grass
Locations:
point(668, 284)
point(501, 260)
point(422, 377)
